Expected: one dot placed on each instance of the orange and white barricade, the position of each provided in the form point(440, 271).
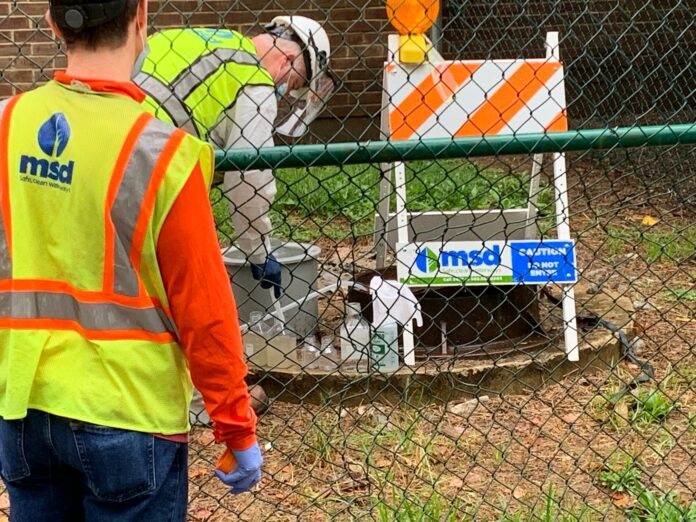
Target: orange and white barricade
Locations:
point(451, 99)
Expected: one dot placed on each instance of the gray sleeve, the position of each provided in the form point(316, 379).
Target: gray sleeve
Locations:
point(249, 123)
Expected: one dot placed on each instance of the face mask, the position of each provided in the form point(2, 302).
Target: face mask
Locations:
point(140, 60)
point(281, 90)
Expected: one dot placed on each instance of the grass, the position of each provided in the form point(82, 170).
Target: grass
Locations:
point(642, 408)
point(340, 202)
point(552, 510)
point(622, 474)
point(405, 507)
point(685, 295)
point(320, 438)
point(619, 241)
point(673, 243)
point(656, 507)
point(650, 406)
point(500, 453)
point(404, 436)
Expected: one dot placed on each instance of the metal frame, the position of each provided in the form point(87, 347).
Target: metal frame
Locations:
point(384, 219)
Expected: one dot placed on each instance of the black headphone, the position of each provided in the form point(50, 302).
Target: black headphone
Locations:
point(77, 17)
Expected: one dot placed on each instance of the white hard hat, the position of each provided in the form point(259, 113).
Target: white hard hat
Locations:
point(313, 37)
point(316, 50)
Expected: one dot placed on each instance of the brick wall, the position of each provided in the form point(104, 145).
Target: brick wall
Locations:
point(28, 54)
point(622, 59)
point(626, 61)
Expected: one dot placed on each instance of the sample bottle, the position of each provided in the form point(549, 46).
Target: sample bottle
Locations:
point(328, 358)
point(279, 348)
point(355, 340)
point(308, 353)
point(254, 343)
point(385, 347)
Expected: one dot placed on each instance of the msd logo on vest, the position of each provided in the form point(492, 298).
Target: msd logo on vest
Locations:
point(53, 137)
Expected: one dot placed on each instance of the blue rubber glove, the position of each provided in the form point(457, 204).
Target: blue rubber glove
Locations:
point(246, 474)
point(269, 274)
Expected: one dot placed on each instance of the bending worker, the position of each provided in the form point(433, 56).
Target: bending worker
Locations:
point(224, 88)
point(113, 294)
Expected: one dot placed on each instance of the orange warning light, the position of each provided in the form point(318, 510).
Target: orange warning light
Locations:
point(412, 16)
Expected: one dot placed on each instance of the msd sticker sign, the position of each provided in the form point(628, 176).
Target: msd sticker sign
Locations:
point(486, 262)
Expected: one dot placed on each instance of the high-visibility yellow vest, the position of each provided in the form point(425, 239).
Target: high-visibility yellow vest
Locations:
point(192, 76)
point(86, 183)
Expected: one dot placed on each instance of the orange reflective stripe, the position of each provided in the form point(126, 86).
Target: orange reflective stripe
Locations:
point(116, 177)
point(509, 99)
point(95, 335)
point(559, 123)
point(427, 98)
point(148, 204)
point(128, 204)
point(4, 173)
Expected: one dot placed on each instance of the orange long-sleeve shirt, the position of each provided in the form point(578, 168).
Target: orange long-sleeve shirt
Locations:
point(203, 307)
point(200, 298)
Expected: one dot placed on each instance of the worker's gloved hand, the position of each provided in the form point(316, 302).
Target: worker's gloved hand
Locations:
point(269, 274)
point(247, 471)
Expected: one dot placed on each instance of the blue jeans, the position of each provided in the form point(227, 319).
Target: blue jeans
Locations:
point(59, 470)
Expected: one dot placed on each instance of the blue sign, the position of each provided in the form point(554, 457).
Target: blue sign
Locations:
point(548, 261)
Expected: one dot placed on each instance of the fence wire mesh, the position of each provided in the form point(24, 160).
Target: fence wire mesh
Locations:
point(491, 422)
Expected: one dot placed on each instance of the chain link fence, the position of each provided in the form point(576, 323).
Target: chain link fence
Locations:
point(491, 422)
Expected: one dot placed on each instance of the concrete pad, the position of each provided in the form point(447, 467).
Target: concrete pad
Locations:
point(447, 380)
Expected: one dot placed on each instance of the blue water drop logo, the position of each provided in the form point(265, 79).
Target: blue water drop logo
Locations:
point(427, 260)
point(54, 135)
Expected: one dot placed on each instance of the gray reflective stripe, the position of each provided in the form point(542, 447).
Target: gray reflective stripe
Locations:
point(199, 71)
point(129, 201)
point(5, 261)
point(91, 316)
point(167, 101)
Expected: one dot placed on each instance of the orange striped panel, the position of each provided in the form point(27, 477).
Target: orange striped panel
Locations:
point(433, 92)
point(559, 123)
point(511, 97)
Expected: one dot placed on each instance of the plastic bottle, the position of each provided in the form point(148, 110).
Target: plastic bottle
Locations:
point(328, 358)
point(308, 353)
point(254, 343)
point(385, 346)
point(355, 340)
point(279, 348)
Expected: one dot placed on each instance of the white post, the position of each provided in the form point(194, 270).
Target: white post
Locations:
point(385, 184)
point(402, 237)
point(563, 227)
point(532, 209)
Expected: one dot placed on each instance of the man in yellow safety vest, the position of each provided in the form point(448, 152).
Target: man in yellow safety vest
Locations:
point(113, 295)
point(224, 87)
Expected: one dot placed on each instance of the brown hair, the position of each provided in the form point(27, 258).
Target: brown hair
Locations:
point(93, 24)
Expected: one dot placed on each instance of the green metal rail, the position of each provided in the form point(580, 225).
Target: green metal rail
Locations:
point(385, 151)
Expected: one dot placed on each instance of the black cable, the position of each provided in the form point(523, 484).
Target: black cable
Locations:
point(591, 321)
